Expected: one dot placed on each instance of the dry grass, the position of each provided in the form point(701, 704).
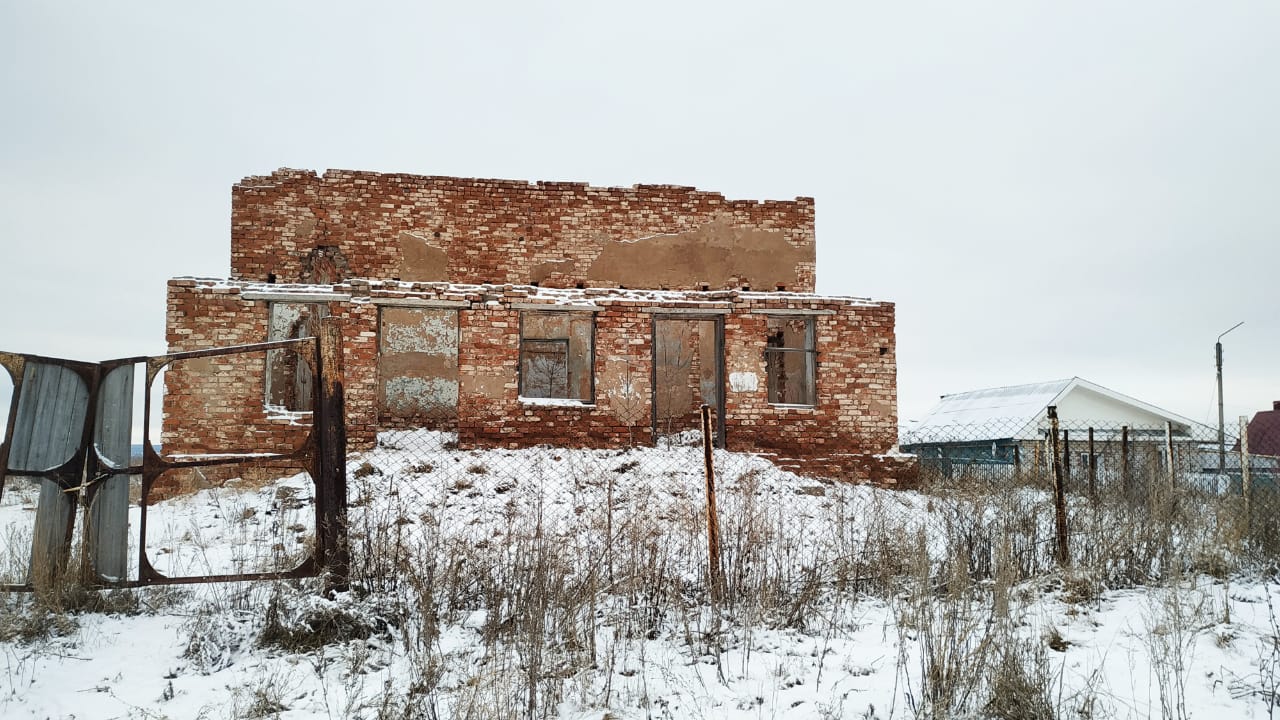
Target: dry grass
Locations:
point(552, 607)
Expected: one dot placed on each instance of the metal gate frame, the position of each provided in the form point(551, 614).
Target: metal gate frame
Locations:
point(80, 479)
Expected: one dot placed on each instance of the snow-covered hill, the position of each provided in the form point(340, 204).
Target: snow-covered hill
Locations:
point(573, 584)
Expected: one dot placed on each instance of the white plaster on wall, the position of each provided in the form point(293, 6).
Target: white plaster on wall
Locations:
point(743, 382)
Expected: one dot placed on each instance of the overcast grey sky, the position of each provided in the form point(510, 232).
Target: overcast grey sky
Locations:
point(1045, 189)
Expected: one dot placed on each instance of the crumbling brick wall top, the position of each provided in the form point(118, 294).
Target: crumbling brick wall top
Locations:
point(298, 226)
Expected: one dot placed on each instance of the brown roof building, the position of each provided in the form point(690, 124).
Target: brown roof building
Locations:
point(1264, 431)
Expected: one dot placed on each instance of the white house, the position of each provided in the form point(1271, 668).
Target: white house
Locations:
point(1008, 426)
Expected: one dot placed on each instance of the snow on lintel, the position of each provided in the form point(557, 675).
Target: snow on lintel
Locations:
point(299, 297)
point(555, 307)
point(791, 311)
point(710, 309)
point(419, 302)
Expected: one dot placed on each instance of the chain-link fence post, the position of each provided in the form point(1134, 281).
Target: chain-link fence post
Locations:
point(715, 573)
point(1059, 491)
point(1246, 481)
point(1066, 460)
point(1125, 481)
point(1093, 469)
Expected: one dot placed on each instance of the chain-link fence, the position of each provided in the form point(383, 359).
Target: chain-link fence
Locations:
point(1135, 501)
point(615, 514)
point(1108, 475)
point(541, 549)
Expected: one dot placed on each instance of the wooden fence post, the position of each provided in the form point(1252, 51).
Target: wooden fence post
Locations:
point(332, 483)
point(1059, 492)
point(715, 571)
point(1246, 479)
point(1066, 457)
point(1168, 455)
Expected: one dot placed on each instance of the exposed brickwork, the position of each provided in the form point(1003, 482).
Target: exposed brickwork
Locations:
point(216, 404)
point(345, 235)
point(232, 416)
point(849, 429)
point(492, 231)
point(857, 389)
point(491, 336)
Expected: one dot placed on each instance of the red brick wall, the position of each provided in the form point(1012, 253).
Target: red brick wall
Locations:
point(854, 420)
point(210, 404)
point(857, 402)
point(216, 405)
point(489, 407)
point(495, 231)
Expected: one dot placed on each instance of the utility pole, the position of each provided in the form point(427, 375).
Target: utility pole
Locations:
point(1222, 436)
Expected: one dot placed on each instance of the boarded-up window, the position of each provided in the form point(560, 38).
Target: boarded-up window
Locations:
point(418, 362)
point(556, 355)
point(790, 360)
point(687, 369)
point(290, 378)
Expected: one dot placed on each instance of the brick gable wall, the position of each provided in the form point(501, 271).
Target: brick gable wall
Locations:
point(297, 226)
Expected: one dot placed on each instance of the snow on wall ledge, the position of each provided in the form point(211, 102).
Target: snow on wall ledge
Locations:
point(853, 421)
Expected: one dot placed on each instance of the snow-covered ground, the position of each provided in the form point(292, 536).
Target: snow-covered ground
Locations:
point(574, 582)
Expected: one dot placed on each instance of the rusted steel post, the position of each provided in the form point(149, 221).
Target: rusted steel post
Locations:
point(716, 573)
point(331, 486)
point(1124, 461)
point(1059, 492)
point(1093, 468)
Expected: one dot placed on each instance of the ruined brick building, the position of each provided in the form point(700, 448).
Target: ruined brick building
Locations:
point(520, 313)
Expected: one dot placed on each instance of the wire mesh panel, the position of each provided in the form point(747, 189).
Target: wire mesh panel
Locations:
point(1142, 487)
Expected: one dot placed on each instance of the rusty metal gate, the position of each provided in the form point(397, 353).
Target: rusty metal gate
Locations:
point(67, 438)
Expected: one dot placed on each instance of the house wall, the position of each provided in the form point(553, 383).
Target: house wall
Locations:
point(855, 417)
point(1005, 459)
point(1083, 405)
point(297, 226)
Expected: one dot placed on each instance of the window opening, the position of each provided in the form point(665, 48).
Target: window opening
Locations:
point(790, 359)
point(556, 355)
point(290, 377)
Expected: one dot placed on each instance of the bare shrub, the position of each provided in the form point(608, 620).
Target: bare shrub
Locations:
point(1264, 684)
point(1020, 683)
point(1175, 617)
point(301, 621)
